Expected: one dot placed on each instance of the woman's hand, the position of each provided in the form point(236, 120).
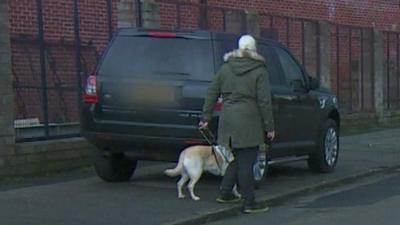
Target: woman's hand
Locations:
point(271, 135)
point(203, 124)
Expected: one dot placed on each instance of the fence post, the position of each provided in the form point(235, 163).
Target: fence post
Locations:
point(128, 13)
point(150, 14)
point(233, 21)
point(7, 132)
point(109, 19)
point(253, 25)
point(325, 54)
point(78, 53)
point(43, 72)
point(378, 72)
point(203, 24)
point(309, 56)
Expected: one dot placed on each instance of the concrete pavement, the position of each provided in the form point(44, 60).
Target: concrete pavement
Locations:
point(150, 197)
point(361, 155)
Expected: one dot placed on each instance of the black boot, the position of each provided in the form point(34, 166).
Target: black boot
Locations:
point(228, 198)
point(254, 207)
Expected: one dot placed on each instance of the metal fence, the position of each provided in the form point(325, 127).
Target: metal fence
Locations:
point(352, 67)
point(48, 74)
point(299, 34)
point(48, 77)
point(351, 47)
point(392, 70)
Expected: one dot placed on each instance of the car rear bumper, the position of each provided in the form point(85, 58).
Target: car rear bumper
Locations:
point(141, 147)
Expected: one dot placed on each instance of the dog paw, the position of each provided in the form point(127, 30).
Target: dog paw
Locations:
point(196, 198)
point(181, 196)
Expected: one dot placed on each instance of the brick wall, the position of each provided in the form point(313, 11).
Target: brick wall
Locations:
point(384, 15)
point(58, 20)
point(381, 14)
point(59, 36)
point(351, 77)
point(59, 30)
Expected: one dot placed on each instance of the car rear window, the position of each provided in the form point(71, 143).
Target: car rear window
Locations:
point(190, 59)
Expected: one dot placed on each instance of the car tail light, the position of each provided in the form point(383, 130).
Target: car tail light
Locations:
point(162, 34)
point(90, 95)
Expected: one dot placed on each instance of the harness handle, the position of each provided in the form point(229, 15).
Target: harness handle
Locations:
point(208, 136)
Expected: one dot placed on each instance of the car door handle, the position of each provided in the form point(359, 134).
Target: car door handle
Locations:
point(107, 96)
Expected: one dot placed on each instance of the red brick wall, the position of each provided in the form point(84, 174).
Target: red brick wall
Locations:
point(354, 88)
point(58, 16)
point(382, 14)
point(59, 20)
point(59, 30)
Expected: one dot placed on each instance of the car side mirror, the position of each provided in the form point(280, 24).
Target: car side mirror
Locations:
point(314, 83)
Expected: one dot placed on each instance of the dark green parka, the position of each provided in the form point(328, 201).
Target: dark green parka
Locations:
point(246, 115)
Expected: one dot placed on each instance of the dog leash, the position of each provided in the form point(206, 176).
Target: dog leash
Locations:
point(209, 137)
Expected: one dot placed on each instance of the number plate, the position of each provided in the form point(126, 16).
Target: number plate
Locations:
point(153, 94)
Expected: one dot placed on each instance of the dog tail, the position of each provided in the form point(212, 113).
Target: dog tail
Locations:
point(177, 170)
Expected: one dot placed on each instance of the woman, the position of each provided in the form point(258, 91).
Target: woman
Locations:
point(245, 119)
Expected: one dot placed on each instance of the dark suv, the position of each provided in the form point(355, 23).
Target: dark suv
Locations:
point(144, 101)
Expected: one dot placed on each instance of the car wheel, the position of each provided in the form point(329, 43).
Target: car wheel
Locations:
point(260, 169)
point(325, 158)
point(260, 175)
point(114, 167)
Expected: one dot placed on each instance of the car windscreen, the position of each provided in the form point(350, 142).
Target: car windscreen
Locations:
point(189, 59)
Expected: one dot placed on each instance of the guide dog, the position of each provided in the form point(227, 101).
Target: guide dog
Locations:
point(192, 162)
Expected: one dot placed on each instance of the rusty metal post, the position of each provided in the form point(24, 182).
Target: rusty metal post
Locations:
point(43, 75)
point(350, 71)
point(337, 64)
point(362, 66)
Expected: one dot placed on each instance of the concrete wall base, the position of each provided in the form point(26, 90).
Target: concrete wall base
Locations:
point(362, 122)
point(36, 158)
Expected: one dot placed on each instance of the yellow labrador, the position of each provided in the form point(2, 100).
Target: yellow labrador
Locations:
point(192, 162)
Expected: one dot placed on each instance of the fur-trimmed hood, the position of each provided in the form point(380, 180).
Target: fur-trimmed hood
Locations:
point(237, 53)
point(243, 61)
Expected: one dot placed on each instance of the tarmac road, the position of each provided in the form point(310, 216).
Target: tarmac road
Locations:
point(375, 201)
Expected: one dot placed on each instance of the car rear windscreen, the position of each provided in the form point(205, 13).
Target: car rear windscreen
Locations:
point(189, 59)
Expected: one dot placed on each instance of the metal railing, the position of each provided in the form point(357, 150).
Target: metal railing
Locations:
point(48, 78)
point(392, 70)
point(351, 46)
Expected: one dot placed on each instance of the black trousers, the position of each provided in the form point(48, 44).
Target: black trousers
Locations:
point(240, 172)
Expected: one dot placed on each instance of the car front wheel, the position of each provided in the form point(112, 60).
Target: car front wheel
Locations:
point(325, 158)
point(114, 167)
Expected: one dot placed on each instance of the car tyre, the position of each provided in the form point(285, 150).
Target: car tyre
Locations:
point(325, 157)
point(260, 167)
point(114, 167)
point(261, 178)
